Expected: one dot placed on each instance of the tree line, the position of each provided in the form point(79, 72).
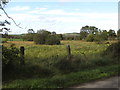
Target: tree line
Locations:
point(87, 33)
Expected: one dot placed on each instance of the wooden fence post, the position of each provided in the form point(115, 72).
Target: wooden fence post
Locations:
point(22, 49)
point(68, 52)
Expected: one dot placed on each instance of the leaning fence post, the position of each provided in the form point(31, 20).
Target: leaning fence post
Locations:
point(68, 52)
point(22, 49)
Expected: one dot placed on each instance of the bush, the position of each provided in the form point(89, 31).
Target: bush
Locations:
point(10, 58)
point(28, 37)
point(39, 39)
point(52, 40)
point(113, 50)
point(90, 38)
point(46, 39)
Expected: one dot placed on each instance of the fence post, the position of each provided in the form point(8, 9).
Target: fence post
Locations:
point(68, 52)
point(22, 49)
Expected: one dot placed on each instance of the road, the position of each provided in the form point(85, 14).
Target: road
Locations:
point(104, 83)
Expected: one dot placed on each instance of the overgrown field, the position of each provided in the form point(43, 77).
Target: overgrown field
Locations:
point(49, 63)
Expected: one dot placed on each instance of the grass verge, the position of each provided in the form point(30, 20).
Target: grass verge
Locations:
point(66, 80)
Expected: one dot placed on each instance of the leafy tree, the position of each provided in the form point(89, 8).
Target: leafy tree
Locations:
point(60, 36)
point(45, 37)
point(41, 36)
point(89, 29)
point(90, 38)
point(83, 35)
point(52, 40)
point(39, 39)
point(44, 32)
point(86, 30)
point(28, 37)
point(112, 34)
point(53, 33)
point(104, 35)
point(31, 31)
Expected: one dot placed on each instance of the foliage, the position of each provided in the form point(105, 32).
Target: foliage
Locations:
point(31, 31)
point(39, 39)
point(89, 29)
point(90, 38)
point(41, 36)
point(66, 80)
point(10, 57)
point(113, 50)
point(111, 34)
point(28, 37)
point(83, 35)
point(52, 40)
point(44, 32)
point(48, 62)
point(60, 36)
point(45, 37)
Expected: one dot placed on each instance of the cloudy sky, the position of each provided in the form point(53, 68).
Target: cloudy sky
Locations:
point(63, 16)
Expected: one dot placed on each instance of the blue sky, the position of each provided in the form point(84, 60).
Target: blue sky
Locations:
point(62, 17)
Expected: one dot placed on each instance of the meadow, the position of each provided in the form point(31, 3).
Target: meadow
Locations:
point(47, 66)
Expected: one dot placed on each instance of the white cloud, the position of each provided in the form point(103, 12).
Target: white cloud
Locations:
point(41, 9)
point(20, 8)
point(76, 14)
point(63, 21)
point(77, 9)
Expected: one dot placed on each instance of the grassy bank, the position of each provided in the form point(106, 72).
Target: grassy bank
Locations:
point(66, 80)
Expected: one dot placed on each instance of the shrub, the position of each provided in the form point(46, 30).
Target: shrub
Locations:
point(113, 50)
point(10, 58)
point(90, 38)
point(39, 39)
point(52, 40)
point(29, 37)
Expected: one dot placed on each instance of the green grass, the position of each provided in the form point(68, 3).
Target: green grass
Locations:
point(66, 80)
point(48, 66)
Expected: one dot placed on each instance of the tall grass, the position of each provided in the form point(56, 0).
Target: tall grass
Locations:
point(50, 61)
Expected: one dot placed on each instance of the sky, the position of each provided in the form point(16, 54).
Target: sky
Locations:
point(61, 16)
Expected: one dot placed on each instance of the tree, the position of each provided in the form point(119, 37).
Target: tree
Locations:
point(39, 39)
point(111, 34)
point(89, 29)
point(90, 38)
point(52, 40)
point(45, 37)
point(53, 33)
point(29, 36)
point(86, 30)
point(31, 31)
point(60, 36)
point(104, 35)
point(43, 31)
point(83, 35)
point(41, 36)
point(2, 23)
